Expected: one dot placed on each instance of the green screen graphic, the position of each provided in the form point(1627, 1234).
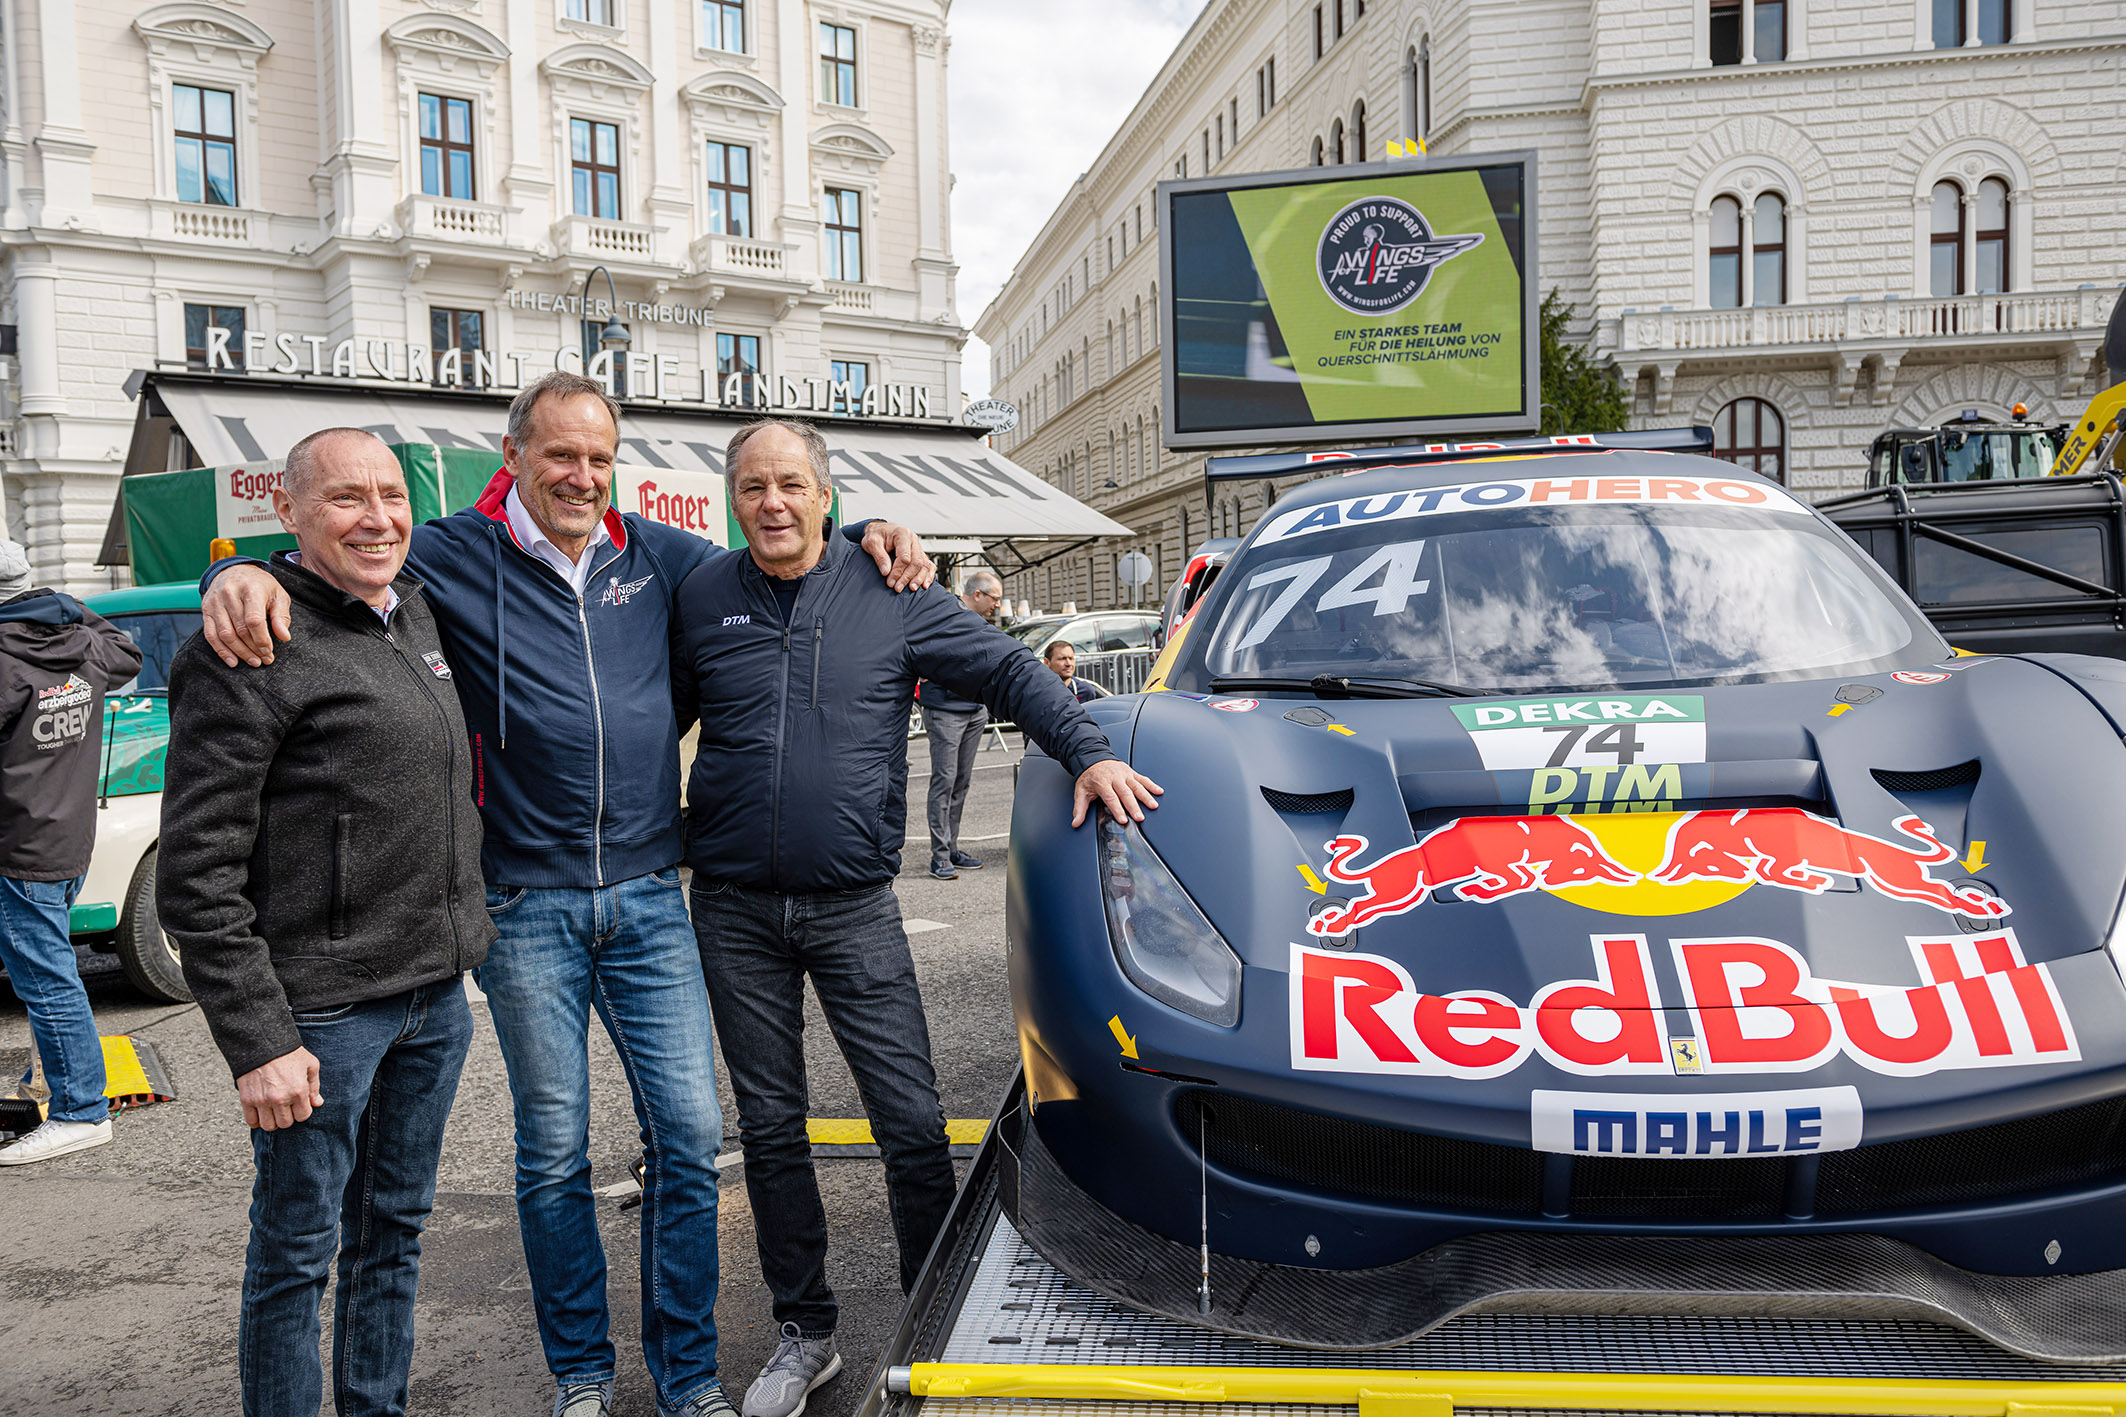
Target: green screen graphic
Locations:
point(1384, 298)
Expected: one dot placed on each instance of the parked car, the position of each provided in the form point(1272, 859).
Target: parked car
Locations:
point(1582, 873)
point(1096, 632)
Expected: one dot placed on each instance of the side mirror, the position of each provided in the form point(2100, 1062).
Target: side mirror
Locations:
point(1912, 459)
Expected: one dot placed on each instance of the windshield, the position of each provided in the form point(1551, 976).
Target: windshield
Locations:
point(160, 635)
point(1984, 457)
point(1033, 631)
point(1570, 598)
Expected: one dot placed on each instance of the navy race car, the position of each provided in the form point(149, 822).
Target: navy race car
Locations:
point(1584, 881)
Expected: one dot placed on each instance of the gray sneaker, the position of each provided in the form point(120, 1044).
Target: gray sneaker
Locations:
point(584, 1399)
point(800, 1364)
point(709, 1402)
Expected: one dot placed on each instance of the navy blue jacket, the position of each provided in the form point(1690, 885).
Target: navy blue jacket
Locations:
point(575, 755)
point(801, 780)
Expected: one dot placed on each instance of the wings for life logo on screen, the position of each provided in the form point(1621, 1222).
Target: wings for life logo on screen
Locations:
point(1378, 254)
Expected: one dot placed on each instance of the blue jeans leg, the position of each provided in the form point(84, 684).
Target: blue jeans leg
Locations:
point(628, 952)
point(361, 1171)
point(40, 966)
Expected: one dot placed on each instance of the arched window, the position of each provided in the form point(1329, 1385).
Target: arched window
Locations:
point(1424, 88)
point(1945, 241)
point(1768, 250)
point(1111, 365)
point(1991, 236)
point(1139, 317)
point(1317, 152)
point(1358, 132)
point(1724, 253)
point(1750, 433)
point(1336, 143)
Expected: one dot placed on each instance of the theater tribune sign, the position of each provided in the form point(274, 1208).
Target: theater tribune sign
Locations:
point(660, 377)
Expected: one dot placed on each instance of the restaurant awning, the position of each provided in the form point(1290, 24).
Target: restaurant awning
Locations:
point(942, 481)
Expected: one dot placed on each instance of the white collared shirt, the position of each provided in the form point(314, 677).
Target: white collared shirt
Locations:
point(577, 572)
point(391, 593)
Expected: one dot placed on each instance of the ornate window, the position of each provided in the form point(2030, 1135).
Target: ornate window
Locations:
point(1358, 132)
point(837, 65)
point(593, 12)
point(1318, 151)
point(723, 25)
point(1968, 250)
point(841, 216)
point(1956, 22)
point(594, 167)
point(229, 320)
point(1746, 251)
point(1768, 250)
point(1724, 255)
point(206, 144)
point(446, 147)
point(1991, 236)
point(1336, 143)
point(854, 373)
point(1945, 241)
point(1745, 32)
point(1750, 433)
point(458, 330)
point(730, 188)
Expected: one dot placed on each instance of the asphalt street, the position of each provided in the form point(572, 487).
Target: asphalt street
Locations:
point(120, 1268)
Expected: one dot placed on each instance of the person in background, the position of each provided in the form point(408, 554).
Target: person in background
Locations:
point(1062, 657)
point(320, 875)
point(953, 727)
point(57, 661)
point(800, 665)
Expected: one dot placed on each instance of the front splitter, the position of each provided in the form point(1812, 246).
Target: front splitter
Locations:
point(2069, 1318)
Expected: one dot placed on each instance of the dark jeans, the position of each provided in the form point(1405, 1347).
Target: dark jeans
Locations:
point(756, 949)
point(954, 740)
point(361, 1168)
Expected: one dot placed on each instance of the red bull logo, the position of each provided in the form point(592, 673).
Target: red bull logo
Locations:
point(1755, 1007)
point(1707, 857)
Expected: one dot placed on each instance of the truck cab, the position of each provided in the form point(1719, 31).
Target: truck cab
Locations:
point(1967, 448)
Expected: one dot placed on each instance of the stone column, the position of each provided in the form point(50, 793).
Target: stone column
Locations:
point(798, 51)
point(63, 145)
point(361, 168)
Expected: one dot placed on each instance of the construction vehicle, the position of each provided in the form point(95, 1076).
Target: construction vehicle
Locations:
point(2011, 535)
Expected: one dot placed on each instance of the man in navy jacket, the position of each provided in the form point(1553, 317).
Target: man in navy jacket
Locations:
point(554, 612)
point(801, 665)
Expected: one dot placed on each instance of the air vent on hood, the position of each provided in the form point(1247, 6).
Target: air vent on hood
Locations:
point(1306, 803)
point(1935, 780)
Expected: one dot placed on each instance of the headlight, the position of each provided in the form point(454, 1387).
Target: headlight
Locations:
point(1160, 938)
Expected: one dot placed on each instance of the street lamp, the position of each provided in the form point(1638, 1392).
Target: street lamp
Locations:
point(614, 336)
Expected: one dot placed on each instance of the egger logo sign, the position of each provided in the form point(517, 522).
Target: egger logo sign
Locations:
point(1754, 1007)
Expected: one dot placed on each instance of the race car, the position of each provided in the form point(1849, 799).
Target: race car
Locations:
point(1584, 882)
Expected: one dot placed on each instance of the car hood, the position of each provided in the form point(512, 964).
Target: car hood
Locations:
point(1883, 873)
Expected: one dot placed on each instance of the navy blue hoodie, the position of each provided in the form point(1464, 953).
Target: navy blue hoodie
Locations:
point(575, 753)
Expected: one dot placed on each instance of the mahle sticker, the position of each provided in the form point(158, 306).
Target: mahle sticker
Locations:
point(1598, 731)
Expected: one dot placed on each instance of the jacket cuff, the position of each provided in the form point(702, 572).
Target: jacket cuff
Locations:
point(1082, 758)
point(222, 565)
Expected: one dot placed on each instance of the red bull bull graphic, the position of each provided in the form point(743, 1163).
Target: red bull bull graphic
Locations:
point(1754, 1005)
point(1483, 858)
point(1800, 851)
point(1488, 859)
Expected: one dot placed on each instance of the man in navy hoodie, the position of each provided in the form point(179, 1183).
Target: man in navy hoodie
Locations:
point(554, 612)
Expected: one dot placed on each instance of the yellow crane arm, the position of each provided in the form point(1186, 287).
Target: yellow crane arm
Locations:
point(2099, 423)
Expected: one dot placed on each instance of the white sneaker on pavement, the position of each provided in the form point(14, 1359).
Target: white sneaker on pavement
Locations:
point(800, 1364)
point(56, 1139)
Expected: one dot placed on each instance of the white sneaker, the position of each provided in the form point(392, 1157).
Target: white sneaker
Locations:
point(56, 1139)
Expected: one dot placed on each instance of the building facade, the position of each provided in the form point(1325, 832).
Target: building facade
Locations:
point(418, 193)
point(1795, 221)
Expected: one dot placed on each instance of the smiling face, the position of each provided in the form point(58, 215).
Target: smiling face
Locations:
point(564, 467)
point(351, 516)
point(780, 502)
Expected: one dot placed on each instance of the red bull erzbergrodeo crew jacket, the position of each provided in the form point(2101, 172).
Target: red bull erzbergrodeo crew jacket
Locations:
point(568, 699)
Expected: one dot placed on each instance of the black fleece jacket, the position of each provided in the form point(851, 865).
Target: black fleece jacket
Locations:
point(320, 845)
point(57, 661)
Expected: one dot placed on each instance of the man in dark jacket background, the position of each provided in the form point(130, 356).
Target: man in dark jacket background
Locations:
point(952, 726)
point(554, 607)
point(321, 877)
point(801, 665)
point(57, 661)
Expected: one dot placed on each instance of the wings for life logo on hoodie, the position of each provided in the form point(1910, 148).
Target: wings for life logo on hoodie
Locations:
point(63, 713)
point(618, 592)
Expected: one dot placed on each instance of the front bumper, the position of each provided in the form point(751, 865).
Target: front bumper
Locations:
point(2067, 1318)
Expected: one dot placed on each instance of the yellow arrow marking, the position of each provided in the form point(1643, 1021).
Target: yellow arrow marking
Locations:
point(1975, 859)
point(1314, 882)
point(1837, 709)
point(1129, 1044)
point(1346, 732)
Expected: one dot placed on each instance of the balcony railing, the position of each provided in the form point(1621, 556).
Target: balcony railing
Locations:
point(449, 219)
point(2027, 314)
point(605, 240)
point(740, 256)
point(196, 222)
point(854, 298)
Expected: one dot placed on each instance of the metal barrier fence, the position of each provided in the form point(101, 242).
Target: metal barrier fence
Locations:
point(1121, 671)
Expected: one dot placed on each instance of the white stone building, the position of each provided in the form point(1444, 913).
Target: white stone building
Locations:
point(416, 192)
point(1797, 221)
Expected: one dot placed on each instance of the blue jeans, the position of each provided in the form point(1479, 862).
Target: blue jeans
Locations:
point(39, 958)
point(361, 1169)
point(757, 947)
point(627, 951)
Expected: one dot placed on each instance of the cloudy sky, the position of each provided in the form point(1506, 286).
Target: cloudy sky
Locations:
point(1037, 90)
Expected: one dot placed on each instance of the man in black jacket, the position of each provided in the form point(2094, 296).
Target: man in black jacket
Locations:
point(801, 665)
point(57, 660)
point(953, 727)
point(320, 874)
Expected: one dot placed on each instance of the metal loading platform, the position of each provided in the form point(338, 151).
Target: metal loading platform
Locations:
point(994, 1330)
